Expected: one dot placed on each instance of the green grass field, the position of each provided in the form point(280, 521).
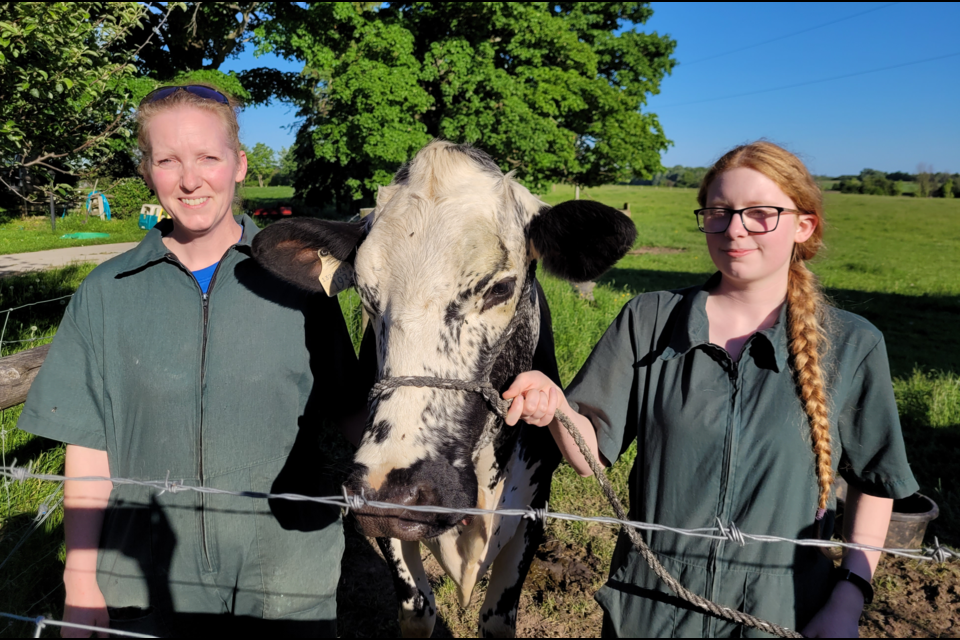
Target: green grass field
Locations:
point(895, 261)
point(33, 233)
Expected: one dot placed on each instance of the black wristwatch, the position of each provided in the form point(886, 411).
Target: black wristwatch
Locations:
point(843, 574)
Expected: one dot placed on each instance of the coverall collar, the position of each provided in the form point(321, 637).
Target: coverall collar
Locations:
point(152, 250)
point(691, 328)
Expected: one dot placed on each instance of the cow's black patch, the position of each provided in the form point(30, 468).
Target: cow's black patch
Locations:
point(402, 176)
point(379, 431)
point(580, 239)
point(406, 591)
point(371, 297)
point(480, 158)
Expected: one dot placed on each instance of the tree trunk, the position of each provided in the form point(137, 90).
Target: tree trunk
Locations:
point(260, 180)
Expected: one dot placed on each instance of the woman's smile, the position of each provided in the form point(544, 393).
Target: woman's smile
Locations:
point(738, 253)
point(195, 202)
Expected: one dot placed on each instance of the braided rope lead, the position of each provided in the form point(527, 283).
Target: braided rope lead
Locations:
point(501, 406)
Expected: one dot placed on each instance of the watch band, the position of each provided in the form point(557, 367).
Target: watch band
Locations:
point(844, 574)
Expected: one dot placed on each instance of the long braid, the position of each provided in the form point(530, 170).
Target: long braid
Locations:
point(805, 305)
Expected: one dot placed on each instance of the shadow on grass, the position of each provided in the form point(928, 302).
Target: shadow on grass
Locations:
point(934, 455)
point(31, 581)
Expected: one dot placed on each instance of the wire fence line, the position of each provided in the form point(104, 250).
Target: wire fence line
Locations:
point(722, 532)
point(42, 621)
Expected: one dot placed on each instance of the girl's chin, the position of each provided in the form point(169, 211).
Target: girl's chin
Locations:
point(199, 222)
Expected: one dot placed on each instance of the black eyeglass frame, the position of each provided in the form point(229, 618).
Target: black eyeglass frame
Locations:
point(196, 89)
point(780, 210)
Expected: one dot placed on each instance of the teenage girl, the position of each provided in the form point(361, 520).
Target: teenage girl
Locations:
point(746, 396)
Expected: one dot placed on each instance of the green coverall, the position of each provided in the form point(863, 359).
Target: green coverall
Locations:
point(718, 439)
point(229, 390)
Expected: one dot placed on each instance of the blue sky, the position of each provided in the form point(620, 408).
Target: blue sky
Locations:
point(888, 120)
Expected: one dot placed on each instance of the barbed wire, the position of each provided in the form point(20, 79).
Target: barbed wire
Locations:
point(722, 532)
point(43, 621)
point(33, 304)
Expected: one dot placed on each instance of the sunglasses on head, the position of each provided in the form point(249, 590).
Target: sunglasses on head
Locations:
point(198, 90)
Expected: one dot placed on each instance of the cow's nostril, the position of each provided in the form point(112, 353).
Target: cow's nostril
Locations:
point(424, 494)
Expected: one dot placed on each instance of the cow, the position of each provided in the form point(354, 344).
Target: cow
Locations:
point(445, 267)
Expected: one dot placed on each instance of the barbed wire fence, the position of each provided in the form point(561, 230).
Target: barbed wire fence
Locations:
point(722, 532)
point(48, 506)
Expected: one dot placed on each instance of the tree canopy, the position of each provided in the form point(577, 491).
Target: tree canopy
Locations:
point(551, 90)
point(64, 85)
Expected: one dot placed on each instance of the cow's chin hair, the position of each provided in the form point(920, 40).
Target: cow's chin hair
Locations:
point(405, 525)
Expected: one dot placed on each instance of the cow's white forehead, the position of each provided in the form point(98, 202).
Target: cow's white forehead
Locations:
point(447, 230)
point(448, 221)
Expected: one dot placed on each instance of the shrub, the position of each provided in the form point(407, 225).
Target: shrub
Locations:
point(948, 189)
point(127, 196)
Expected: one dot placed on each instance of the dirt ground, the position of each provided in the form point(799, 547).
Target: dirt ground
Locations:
point(914, 599)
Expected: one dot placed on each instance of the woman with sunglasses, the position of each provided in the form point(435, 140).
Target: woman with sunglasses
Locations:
point(183, 360)
point(746, 397)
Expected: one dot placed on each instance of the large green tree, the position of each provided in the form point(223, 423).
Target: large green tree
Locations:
point(64, 87)
point(554, 91)
point(199, 37)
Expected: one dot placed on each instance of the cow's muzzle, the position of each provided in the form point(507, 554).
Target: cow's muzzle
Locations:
point(427, 483)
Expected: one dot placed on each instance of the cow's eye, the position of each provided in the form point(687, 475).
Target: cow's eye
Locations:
point(499, 293)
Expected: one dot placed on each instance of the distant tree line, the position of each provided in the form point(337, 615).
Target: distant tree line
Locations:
point(925, 183)
point(678, 176)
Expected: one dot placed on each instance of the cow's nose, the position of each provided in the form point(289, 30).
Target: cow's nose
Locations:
point(423, 493)
point(406, 491)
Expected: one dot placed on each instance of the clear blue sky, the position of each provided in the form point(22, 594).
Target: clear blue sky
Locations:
point(889, 120)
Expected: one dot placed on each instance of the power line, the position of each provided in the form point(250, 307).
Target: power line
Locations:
point(789, 35)
point(809, 82)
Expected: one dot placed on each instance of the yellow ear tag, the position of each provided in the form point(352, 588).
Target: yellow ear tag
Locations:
point(335, 276)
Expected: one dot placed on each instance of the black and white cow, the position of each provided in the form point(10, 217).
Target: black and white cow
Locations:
point(446, 269)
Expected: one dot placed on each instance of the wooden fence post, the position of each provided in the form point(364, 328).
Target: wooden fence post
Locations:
point(17, 373)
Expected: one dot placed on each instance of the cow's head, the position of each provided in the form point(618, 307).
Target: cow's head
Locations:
point(445, 270)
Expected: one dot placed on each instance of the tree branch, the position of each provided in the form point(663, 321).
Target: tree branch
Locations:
point(86, 145)
point(19, 195)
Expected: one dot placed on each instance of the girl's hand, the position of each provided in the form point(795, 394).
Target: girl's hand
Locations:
point(840, 617)
point(84, 605)
point(536, 399)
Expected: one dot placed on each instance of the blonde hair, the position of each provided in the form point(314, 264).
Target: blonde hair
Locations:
point(227, 113)
point(806, 304)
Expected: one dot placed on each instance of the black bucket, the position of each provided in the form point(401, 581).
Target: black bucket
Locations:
point(908, 522)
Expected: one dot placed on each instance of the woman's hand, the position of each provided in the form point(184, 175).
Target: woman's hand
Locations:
point(840, 617)
point(536, 399)
point(84, 605)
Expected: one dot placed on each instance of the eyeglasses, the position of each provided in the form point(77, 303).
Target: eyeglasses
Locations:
point(754, 219)
point(198, 90)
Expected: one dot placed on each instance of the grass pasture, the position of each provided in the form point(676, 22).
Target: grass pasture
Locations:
point(895, 261)
point(33, 233)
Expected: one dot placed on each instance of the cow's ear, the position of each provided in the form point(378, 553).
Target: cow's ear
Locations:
point(580, 239)
point(312, 254)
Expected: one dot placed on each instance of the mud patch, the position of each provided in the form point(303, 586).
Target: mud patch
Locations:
point(639, 251)
point(913, 599)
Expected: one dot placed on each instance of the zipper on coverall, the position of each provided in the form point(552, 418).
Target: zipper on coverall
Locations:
point(205, 304)
point(733, 372)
